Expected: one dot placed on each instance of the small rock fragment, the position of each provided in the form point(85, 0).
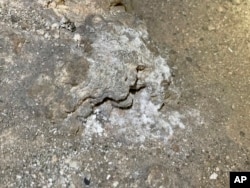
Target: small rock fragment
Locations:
point(213, 176)
point(108, 177)
point(40, 32)
point(115, 184)
point(210, 28)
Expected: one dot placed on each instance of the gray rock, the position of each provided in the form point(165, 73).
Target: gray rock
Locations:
point(108, 67)
point(117, 62)
point(83, 103)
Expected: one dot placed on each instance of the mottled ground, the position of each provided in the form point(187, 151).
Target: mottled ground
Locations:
point(209, 51)
point(193, 139)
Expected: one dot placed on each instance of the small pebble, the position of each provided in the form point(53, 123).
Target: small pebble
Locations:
point(55, 26)
point(108, 176)
point(40, 32)
point(47, 36)
point(210, 28)
point(213, 176)
point(77, 37)
point(115, 184)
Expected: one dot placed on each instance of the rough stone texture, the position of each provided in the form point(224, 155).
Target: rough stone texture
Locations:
point(107, 61)
point(50, 136)
point(81, 92)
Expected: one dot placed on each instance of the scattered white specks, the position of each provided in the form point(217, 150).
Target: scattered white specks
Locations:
point(144, 120)
point(40, 32)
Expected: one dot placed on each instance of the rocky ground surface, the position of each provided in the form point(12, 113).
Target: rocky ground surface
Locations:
point(131, 93)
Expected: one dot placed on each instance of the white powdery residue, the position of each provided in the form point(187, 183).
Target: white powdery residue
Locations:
point(163, 68)
point(143, 121)
point(175, 119)
point(147, 112)
point(93, 126)
point(146, 106)
point(196, 116)
point(161, 72)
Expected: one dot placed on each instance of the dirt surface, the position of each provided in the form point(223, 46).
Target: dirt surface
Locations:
point(207, 47)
